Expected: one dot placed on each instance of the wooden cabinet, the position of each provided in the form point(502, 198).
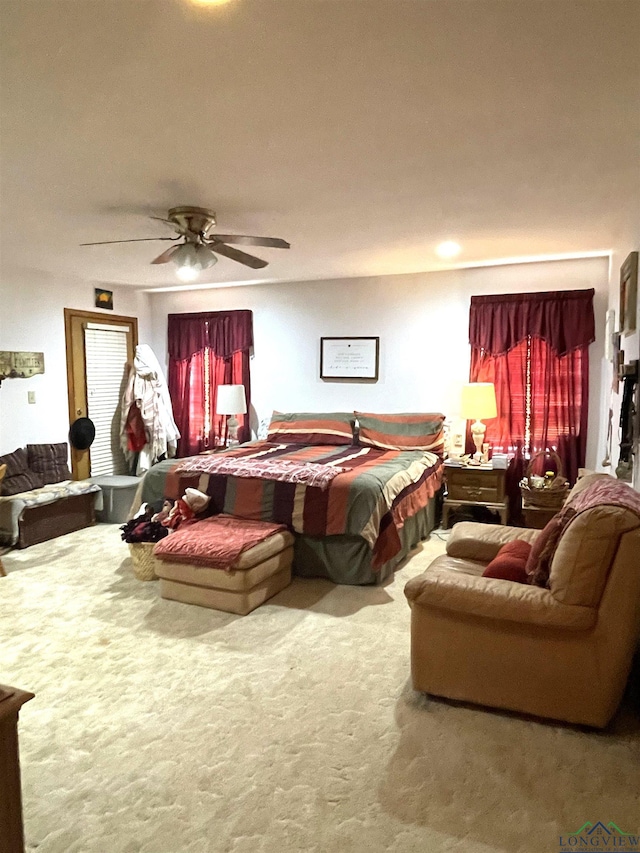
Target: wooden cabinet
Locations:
point(474, 486)
point(11, 832)
point(538, 517)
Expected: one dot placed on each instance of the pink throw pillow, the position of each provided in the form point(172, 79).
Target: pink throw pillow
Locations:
point(510, 562)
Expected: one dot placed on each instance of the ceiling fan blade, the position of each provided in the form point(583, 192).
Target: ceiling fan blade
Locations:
point(135, 240)
point(245, 240)
point(237, 255)
point(166, 256)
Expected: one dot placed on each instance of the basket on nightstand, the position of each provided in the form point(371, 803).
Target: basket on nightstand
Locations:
point(143, 560)
point(550, 496)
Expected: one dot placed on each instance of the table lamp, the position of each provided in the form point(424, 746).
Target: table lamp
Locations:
point(478, 401)
point(231, 400)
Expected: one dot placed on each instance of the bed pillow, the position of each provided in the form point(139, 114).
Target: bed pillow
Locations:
point(18, 476)
point(510, 562)
point(311, 427)
point(408, 431)
point(50, 461)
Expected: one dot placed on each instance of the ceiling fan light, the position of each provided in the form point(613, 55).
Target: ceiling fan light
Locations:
point(187, 273)
point(191, 260)
point(186, 260)
point(205, 257)
point(185, 255)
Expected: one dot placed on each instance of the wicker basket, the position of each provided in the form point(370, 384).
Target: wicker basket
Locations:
point(143, 560)
point(545, 497)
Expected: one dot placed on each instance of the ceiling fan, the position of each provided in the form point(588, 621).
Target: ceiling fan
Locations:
point(198, 248)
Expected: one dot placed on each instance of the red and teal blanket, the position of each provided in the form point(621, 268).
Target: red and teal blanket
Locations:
point(317, 490)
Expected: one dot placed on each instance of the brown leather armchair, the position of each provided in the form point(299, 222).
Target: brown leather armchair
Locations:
point(564, 652)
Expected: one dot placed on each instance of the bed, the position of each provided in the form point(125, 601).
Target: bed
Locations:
point(356, 509)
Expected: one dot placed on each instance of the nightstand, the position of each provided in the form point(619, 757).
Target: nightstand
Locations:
point(537, 517)
point(475, 486)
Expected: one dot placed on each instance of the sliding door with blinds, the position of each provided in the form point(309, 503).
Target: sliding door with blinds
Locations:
point(105, 350)
point(99, 350)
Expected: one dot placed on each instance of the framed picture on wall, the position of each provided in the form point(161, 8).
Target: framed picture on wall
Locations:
point(629, 294)
point(103, 298)
point(349, 358)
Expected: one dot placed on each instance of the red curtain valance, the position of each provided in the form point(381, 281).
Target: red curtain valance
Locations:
point(224, 332)
point(562, 318)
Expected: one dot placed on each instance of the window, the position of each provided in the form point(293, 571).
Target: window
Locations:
point(106, 370)
point(207, 350)
point(534, 348)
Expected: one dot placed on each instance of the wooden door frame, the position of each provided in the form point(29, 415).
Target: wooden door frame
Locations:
point(74, 320)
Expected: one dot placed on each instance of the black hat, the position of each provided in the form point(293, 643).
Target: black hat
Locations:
point(81, 433)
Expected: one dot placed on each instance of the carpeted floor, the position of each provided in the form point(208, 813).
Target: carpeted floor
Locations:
point(159, 727)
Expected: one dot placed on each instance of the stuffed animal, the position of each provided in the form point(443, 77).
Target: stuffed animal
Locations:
point(197, 500)
point(179, 512)
point(184, 509)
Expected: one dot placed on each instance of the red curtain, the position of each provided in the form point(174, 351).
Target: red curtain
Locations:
point(534, 348)
point(206, 350)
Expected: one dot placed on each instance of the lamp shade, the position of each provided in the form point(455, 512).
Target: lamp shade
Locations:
point(191, 259)
point(478, 401)
point(231, 400)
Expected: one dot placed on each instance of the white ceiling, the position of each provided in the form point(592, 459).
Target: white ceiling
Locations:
point(362, 131)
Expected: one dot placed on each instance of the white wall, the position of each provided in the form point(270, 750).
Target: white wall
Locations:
point(421, 319)
point(631, 346)
point(32, 320)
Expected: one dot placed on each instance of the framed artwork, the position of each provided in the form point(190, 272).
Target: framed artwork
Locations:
point(20, 365)
point(349, 358)
point(104, 299)
point(629, 294)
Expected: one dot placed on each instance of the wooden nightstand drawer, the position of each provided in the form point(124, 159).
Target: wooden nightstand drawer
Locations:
point(467, 492)
point(469, 487)
point(467, 484)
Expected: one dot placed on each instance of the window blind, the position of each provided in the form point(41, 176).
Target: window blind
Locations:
point(106, 359)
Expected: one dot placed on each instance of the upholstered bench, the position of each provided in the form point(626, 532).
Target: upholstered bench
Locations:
point(225, 563)
point(38, 499)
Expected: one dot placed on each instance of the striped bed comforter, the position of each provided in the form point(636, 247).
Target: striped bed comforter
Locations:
point(370, 496)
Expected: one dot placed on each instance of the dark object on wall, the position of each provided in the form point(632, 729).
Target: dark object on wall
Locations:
point(81, 433)
point(624, 470)
point(629, 293)
point(104, 299)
